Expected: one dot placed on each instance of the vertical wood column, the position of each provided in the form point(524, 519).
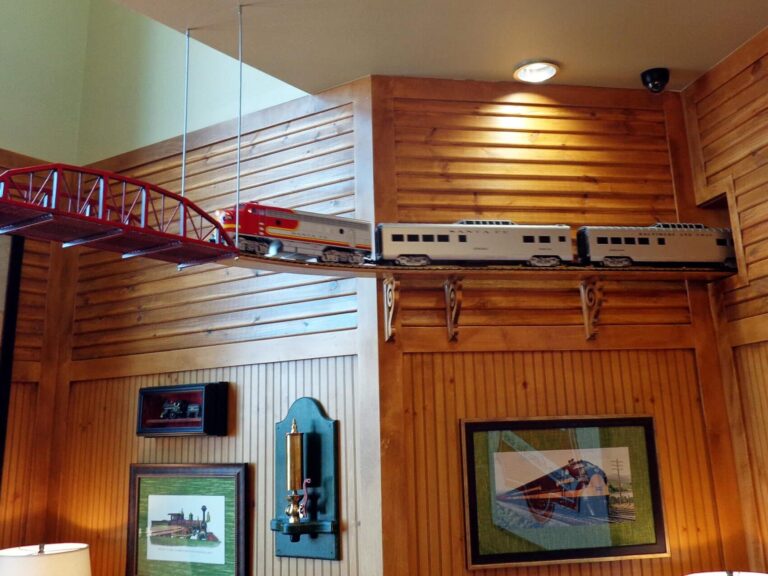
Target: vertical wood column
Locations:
point(53, 393)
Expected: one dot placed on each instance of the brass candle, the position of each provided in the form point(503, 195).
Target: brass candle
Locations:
point(294, 458)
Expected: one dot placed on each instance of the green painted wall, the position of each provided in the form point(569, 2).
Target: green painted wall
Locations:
point(42, 61)
point(83, 80)
point(133, 91)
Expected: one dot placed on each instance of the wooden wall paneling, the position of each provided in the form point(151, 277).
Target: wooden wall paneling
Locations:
point(299, 155)
point(720, 440)
point(498, 151)
point(17, 478)
point(445, 387)
point(100, 443)
point(752, 365)
point(734, 403)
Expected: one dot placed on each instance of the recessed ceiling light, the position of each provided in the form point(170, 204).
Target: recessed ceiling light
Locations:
point(535, 71)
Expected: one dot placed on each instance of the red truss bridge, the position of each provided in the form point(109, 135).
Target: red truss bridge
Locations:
point(81, 206)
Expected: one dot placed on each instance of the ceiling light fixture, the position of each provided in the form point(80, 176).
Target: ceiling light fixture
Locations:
point(535, 71)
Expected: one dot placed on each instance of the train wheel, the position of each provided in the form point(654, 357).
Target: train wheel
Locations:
point(541, 508)
point(617, 261)
point(545, 261)
point(409, 260)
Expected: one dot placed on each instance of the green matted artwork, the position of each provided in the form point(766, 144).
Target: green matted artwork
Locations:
point(187, 520)
point(561, 490)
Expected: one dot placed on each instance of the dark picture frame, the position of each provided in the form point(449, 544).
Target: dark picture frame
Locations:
point(183, 410)
point(12, 249)
point(187, 519)
point(541, 491)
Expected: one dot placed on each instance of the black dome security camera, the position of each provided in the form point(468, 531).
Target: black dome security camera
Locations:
point(655, 79)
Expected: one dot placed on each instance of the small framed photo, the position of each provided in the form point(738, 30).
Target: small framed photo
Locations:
point(187, 519)
point(186, 410)
point(561, 490)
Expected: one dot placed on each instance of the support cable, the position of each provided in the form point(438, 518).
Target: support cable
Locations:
point(186, 117)
point(239, 120)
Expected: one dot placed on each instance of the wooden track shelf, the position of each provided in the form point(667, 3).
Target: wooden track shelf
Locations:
point(519, 272)
point(587, 279)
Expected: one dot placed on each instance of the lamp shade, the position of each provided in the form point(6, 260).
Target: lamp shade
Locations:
point(728, 573)
point(54, 560)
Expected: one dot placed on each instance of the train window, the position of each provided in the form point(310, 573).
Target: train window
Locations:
point(643, 241)
point(544, 239)
point(721, 242)
point(443, 238)
point(397, 238)
point(529, 239)
point(561, 238)
point(629, 240)
point(413, 237)
point(602, 239)
point(462, 238)
point(661, 241)
point(615, 240)
point(428, 238)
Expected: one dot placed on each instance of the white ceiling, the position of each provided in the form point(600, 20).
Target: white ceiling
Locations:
point(317, 44)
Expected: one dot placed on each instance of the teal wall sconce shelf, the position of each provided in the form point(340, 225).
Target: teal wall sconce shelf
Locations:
point(306, 522)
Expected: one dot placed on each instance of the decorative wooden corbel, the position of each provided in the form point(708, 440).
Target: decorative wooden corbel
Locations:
point(391, 288)
point(452, 289)
point(591, 290)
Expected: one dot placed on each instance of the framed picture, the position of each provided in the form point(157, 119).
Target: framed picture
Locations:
point(187, 519)
point(561, 490)
point(186, 410)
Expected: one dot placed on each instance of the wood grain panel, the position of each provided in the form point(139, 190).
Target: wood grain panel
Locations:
point(559, 161)
point(17, 469)
point(752, 367)
point(297, 155)
point(440, 389)
point(101, 443)
point(554, 303)
point(32, 311)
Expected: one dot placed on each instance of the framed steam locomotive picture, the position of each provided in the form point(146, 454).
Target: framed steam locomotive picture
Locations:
point(561, 490)
point(191, 409)
point(187, 520)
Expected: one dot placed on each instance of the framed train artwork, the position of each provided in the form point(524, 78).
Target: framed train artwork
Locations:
point(186, 410)
point(541, 491)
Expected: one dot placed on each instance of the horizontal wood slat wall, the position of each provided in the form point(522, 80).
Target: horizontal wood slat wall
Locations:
point(726, 114)
point(444, 388)
point(531, 160)
point(17, 469)
point(297, 155)
point(100, 444)
point(551, 155)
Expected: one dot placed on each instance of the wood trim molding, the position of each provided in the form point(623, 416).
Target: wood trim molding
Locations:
point(531, 338)
point(26, 371)
point(242, 353)
point(14, 159)
point(733, 401)
point(717, 422)
point(748, 331)
point(441, 89)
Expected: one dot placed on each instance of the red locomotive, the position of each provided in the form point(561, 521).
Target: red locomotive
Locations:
point(293, 234)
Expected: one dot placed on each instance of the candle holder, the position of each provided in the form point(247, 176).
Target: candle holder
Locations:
point(306, 455)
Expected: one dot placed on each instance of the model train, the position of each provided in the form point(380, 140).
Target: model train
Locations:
point(281, 232)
